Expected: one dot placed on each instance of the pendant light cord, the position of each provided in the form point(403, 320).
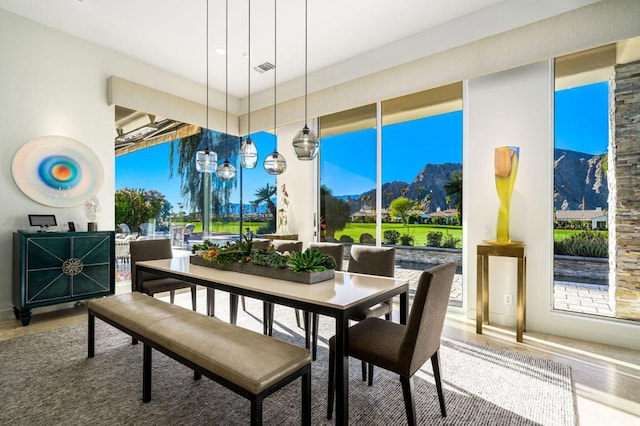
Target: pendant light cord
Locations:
point(207, 70)
point(305, 61)
point(275, 72)
point(226, 77)
point(249, 78)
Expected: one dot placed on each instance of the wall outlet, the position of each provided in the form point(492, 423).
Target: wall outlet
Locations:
point(487, 231)
point(508, 299)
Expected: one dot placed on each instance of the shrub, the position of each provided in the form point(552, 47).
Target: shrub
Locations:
point(263, 230)
point(367, 238)
point(391, 236)
point(406, 240)
point(450, 241)
point(586, 243)
point(345, 239)
point(434, 239)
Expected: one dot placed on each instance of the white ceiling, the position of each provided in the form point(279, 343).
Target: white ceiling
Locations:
point(170, 34)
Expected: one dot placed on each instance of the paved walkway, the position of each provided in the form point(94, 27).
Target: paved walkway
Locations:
point(568, 296)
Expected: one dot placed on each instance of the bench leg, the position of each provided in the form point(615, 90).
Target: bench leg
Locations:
point(91, 333)
point(146, 373)
point(256, 411)
point(306, 397)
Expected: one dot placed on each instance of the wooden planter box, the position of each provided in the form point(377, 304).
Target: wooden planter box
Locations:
point(266, 271)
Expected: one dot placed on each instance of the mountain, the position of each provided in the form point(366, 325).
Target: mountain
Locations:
point(580, 176)
point(577, 175)
point(430, 180)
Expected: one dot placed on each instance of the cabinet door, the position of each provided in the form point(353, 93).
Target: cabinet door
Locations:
point(45, 279)
point(67, 266)
point(94, 254)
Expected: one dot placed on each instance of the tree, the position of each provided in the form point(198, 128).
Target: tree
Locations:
point(400, 207)
point(192, 182)
point(134, 207)
point(453, 188)
point(334, 213)
point(265, 195)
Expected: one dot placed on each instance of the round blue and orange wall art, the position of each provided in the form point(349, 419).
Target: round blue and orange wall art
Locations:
point(57, 171)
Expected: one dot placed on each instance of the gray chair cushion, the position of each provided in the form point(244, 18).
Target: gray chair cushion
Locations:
point(334, 249)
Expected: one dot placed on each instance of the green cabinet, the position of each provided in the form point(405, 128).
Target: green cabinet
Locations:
point(59, 267)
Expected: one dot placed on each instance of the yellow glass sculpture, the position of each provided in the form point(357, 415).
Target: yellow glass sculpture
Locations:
point(506, 168)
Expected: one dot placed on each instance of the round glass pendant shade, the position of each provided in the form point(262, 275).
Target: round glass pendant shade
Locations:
point(206, 161)
point(248, 154)
point(275, 163)
point(226, 171)
point(306, 144)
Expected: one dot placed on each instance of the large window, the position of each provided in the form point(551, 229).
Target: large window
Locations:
point(167, 171)
point(348, 176)
point(581, 190)
point(415, 201)
point(422, 180)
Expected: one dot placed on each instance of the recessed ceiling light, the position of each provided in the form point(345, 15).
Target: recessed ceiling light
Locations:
point(220, 51)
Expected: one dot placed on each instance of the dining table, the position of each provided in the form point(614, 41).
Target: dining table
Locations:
point(339, 297)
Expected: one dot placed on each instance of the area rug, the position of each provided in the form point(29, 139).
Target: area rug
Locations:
point(46, 379)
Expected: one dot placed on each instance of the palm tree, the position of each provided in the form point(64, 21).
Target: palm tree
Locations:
point(265, 195)
point(453, 188)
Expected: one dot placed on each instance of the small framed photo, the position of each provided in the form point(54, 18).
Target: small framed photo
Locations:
point(72, 227)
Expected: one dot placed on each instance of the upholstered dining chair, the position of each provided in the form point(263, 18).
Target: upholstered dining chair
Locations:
point(372, 261)
point(281, 246)
point(287, 245)
point(311, 332)
point(153, 250)
point(403, 349)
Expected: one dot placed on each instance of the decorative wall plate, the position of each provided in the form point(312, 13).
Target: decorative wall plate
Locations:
point(57, 171)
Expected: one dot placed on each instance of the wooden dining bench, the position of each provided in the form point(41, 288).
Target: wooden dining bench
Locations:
point(251, 364)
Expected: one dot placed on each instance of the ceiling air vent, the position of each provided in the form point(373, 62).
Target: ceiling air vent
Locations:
point(262, 68)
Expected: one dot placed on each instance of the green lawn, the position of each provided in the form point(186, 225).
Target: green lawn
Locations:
point(226, 227)
point(561, 234)
point(354, 230)
point(418, 232)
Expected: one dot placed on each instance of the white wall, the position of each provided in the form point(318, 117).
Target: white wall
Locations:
point(515, 107)
point(54, 84)
point(300, 183)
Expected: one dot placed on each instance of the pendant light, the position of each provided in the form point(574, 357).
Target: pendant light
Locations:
point(248, 149)
point(274, 163)
point(306, 143)
point(207, 160)
point(226, 171)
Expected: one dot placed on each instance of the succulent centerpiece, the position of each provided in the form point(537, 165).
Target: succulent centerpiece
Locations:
point(309, 266)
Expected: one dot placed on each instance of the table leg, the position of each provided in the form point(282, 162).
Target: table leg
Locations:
point(265, 317)
point(479, 294)
point(404, 307)
point(520, 302)
point(524, 290)
point(211, 302)
point(485, 289)
point(233, 308)
point(342, 370)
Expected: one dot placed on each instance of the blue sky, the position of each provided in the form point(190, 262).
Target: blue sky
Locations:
point(149, 169)
point(348, 160)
